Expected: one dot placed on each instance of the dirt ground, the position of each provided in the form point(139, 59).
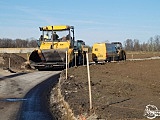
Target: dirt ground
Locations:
point(120, 90)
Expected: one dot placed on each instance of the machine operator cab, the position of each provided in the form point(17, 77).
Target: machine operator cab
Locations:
point(56, 37)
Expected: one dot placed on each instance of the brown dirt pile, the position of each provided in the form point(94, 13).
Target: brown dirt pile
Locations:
point(16, 61)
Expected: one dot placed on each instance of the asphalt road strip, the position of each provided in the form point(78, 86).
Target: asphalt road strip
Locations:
point(35, 106)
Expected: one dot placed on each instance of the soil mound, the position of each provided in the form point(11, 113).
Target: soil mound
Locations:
point(15, 61)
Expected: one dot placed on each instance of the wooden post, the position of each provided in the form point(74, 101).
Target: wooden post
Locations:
point(27, 56)
point(68, 60)
point(75, 59)
point(9, 63)
point(89, 82)
point(113, 57)
point(66, 64)
point(83, 59)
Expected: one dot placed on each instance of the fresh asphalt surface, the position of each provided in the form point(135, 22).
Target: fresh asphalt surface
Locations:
point(35, 105)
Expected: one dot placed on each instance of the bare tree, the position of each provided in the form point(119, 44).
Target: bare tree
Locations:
point(144, 46)
point(32, 43)
point(136, 45)
point(150, 44)
point(128, 44)
point(18, 43)
point(157, 43)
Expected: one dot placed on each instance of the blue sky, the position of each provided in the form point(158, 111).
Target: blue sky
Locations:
point(94, 20)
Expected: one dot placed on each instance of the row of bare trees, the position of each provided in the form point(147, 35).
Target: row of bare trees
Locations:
point(17, 43)
point(153, 44)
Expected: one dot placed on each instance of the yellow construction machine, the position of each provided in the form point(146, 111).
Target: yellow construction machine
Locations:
point(107, 52)
point(54, 42)
point(104, 52)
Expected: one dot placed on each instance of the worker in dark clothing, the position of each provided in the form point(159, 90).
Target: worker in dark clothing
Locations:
point(41, 38)
point(68, 37)
point(55, 36)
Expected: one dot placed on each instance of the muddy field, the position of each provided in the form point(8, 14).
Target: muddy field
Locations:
point(119, 90)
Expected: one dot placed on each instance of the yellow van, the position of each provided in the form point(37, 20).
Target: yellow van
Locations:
point(104, 52)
